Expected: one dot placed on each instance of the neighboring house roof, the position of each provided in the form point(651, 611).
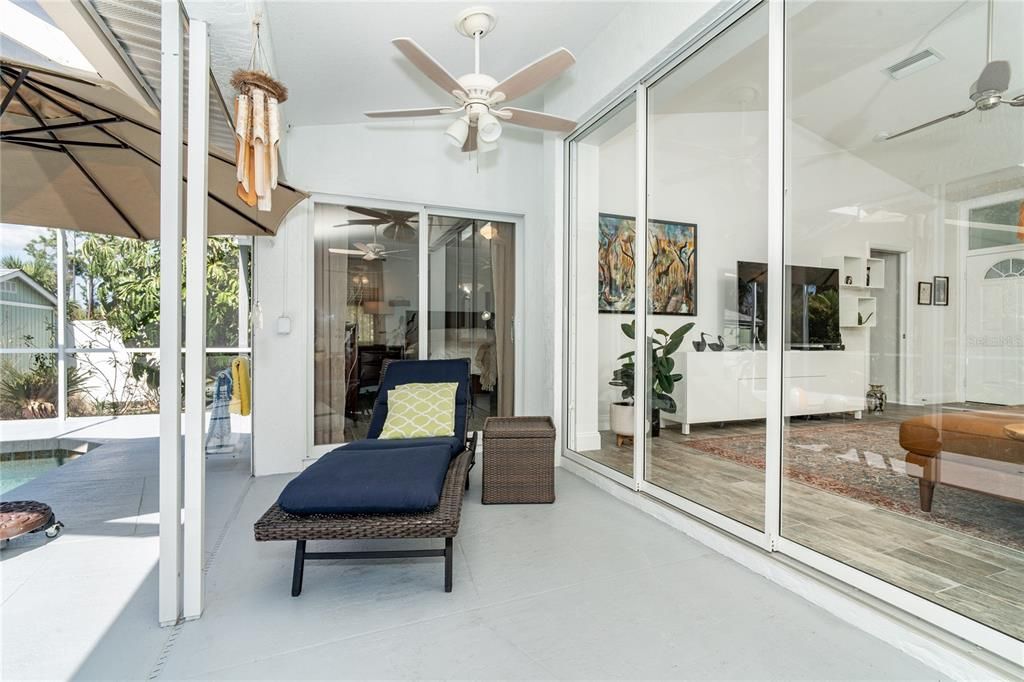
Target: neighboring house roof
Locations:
point(14, 273)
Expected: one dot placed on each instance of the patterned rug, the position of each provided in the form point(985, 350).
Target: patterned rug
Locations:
point(865, 462)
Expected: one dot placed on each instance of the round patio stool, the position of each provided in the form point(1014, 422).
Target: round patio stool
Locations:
point(26, 516)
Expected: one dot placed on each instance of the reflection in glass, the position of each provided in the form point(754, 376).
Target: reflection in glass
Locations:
point(472, 305)
point(601, 290)
point(365, 309)
point(926, 490)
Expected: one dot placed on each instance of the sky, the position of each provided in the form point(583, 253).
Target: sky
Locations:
point(13, 238)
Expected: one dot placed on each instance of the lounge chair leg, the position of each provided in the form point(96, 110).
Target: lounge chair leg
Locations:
point(448, 564)
point(300, 560)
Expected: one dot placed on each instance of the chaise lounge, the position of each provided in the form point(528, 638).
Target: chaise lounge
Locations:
point(382, 489)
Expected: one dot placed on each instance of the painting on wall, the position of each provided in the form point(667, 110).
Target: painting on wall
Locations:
point(616, 236)
point(672, 275)
point(672, 269)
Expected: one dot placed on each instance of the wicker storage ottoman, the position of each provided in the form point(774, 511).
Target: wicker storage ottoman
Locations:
point(519, 460)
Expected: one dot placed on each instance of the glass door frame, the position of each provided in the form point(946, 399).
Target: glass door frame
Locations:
point(424, 211)
point(771, 539)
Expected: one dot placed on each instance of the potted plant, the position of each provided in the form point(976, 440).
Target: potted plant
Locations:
point(660, 348)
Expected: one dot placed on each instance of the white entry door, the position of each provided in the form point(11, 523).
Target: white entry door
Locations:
point(994, 300)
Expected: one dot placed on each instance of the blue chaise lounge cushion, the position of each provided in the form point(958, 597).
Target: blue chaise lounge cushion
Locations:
point(454, 444)
point(382, 481)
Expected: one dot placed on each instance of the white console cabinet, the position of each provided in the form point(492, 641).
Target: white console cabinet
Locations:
point(733, 385)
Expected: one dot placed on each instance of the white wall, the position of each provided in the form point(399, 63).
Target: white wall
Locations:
point(280, 391)
point(408, 162)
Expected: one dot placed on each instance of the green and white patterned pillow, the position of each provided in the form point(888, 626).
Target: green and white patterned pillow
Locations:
point(420, 411)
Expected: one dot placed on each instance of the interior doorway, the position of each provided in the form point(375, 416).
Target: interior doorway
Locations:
point(888, 335)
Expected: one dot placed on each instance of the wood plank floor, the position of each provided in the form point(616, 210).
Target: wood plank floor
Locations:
point(980, 579)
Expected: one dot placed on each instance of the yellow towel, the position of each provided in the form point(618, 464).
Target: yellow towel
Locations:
point(240, 398)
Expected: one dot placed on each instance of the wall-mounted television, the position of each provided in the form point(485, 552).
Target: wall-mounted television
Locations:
point(813, 316)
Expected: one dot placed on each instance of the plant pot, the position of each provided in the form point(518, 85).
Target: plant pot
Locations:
point(620, 419)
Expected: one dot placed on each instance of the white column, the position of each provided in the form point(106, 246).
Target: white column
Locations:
point(776, 266)
point(195, 316)
point(62, 325)
point(170, 311)
point(642, 411)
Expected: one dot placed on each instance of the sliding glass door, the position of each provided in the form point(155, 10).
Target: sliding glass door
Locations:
point(602, 298)
point(793, 208)
point(365, 310)
point(922, 489)
point(707, 236)
point(472, 294)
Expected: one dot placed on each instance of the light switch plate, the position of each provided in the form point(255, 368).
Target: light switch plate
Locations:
point(284, 325)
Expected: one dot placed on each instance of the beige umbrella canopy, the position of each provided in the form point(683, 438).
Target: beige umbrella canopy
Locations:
point(79, 154)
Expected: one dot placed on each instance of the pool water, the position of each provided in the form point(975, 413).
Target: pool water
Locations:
point(21, 467)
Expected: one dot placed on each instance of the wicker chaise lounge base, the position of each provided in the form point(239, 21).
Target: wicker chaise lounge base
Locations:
point(440, 522)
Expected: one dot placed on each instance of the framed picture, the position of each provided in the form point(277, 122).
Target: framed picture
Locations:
point(616, 237)
point(672, 270)
point(924, 293)
point(940, 290)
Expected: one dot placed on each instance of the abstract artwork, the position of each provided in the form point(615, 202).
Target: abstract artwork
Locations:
point(672, 266)
point(616, 237)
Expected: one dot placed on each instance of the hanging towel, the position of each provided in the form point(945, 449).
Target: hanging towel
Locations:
point(240, 397)
point(218, 437)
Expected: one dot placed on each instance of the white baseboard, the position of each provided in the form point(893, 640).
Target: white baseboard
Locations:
point(917, 638)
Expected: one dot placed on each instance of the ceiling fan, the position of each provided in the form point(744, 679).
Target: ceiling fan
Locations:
point(986, 92)
point(477, 95)
point(372, 251)
point(399, 220)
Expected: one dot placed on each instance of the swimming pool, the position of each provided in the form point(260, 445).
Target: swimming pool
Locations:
point(18, 468)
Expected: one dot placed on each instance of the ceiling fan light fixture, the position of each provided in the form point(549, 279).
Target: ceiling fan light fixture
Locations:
point(458, 131)
point(485, 147)
point(489, 127)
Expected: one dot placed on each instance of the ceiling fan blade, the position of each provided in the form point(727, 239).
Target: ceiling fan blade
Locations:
point(536, 119)
point(470, 144)
point(361, 221)
point(371, 256)
point(346, 252)
point(388, 253)
point(1017, 101)
point(363, 248)
point(407, 113)
point(381, 216)
point(929, 123)
point(427, 64)
point(994, 77)
point(534, 75)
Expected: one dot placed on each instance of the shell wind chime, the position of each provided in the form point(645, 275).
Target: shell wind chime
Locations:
point(257, 127)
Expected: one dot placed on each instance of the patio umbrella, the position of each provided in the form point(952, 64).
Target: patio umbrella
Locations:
point(79, 154)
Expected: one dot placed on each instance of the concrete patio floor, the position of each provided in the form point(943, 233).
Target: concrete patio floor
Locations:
point(586, 588)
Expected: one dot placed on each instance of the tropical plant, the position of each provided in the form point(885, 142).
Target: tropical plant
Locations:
point(663, 378)
point(32, 393)
point(117, 280)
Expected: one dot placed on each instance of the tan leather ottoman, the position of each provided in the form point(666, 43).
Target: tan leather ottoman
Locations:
point(971, 450)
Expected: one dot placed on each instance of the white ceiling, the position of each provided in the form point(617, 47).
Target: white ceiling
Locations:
point(338, 61)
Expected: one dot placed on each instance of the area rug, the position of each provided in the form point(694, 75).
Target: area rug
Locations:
point(865, 462)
